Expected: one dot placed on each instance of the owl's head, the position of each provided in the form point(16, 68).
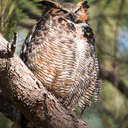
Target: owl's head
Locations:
point(74, 12)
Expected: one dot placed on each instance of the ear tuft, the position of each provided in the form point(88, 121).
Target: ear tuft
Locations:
point(85, 4)
point(49, 3)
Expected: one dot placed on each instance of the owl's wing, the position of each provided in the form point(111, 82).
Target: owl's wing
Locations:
point(92, 91)
point(94, 86)
point(88, 88)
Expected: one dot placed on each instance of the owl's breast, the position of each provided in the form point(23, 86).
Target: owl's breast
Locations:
point(60, 56)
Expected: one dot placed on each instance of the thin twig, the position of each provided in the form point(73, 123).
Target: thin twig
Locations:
point(12, 49)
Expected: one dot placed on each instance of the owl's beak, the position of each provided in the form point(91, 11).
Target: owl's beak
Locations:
point(72, 16)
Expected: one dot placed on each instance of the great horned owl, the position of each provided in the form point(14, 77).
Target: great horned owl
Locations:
point(60, 51)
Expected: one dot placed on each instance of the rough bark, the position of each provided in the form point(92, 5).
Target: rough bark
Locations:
point(28, 95)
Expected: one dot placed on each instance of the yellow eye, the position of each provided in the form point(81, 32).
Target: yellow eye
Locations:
point(82, 14)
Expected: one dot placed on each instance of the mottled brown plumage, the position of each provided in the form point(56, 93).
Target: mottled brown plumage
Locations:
point(60, 51)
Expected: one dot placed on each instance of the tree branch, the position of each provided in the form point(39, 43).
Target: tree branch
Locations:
point(24, 25)
point(28, 95)
point(109, 75)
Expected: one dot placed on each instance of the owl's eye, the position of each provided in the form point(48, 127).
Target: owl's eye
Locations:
point(62, 10)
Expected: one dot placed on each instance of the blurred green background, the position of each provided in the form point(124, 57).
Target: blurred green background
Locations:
point(109, 20)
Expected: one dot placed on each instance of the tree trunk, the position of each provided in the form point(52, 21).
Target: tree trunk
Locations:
point(27, 94)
